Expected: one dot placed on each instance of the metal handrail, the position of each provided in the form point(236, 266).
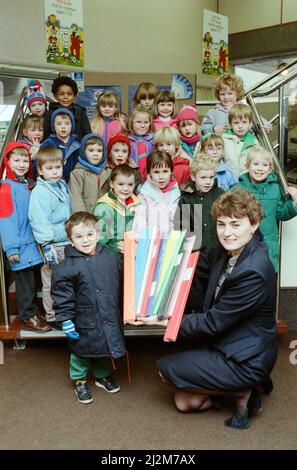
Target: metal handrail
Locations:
point(275, 118)
point(271, 77)
point(17, 114)
point(255, 92)
point(277, 166)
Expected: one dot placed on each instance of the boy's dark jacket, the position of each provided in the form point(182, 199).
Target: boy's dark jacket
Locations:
point(82, 123)
point(85, 289)
point(190, 198)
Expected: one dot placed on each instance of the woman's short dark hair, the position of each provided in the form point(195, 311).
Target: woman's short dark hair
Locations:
point(63, 80)
point(238, 202)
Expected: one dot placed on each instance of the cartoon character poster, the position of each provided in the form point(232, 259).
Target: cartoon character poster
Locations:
point(215, 43)
point(64, 32)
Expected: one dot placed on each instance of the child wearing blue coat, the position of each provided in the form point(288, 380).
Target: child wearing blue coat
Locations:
point(49, 209)
point(63, 137)
point(16, 235)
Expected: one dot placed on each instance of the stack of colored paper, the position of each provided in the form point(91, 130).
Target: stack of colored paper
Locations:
point(158, 273)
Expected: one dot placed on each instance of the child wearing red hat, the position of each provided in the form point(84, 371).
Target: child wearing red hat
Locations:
point(16, 234)
point(118, 153)
point(189, 129)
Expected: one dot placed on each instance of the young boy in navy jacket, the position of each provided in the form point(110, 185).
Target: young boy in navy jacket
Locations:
point(85, 290)
point(16, 234)
point(63, 137)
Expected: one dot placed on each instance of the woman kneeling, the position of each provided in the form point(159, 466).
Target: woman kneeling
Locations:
point(237, 325)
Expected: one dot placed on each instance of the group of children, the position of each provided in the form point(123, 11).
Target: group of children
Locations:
point(70, 184)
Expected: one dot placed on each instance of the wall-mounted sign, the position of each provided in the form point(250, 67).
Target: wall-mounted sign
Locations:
point(215, 43)
point(64, 32)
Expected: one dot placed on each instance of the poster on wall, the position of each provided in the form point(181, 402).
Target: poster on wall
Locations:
point(64, 32)
point(89, 97)
point(215, 43)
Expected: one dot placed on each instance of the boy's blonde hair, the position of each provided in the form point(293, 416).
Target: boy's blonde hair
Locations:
point(240, 111)
point(231, 80)
point(131, 116)
point(97, 121)
point(48, 153)
point(164, 96)
point(201, 162)
point(259, 151)
point(211, 139)
point(144, 90)
point(169, 135)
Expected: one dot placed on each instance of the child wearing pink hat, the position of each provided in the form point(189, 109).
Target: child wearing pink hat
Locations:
point(189, 129)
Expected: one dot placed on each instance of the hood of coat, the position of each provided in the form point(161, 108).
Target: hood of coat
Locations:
point(5, 164)
point(62, 111)
point(83, 159)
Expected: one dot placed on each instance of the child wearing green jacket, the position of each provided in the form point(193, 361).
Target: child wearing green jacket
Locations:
point(263, 183)
point(116, 208)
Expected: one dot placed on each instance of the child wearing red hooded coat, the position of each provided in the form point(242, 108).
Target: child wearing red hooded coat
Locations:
point(16, 234)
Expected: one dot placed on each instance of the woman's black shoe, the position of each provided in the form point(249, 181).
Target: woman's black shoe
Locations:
point(243, 422)
point(239, 422)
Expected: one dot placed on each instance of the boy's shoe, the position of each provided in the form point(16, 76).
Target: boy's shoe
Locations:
point(35, 324)
point(108, 384)
point(82, 392)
